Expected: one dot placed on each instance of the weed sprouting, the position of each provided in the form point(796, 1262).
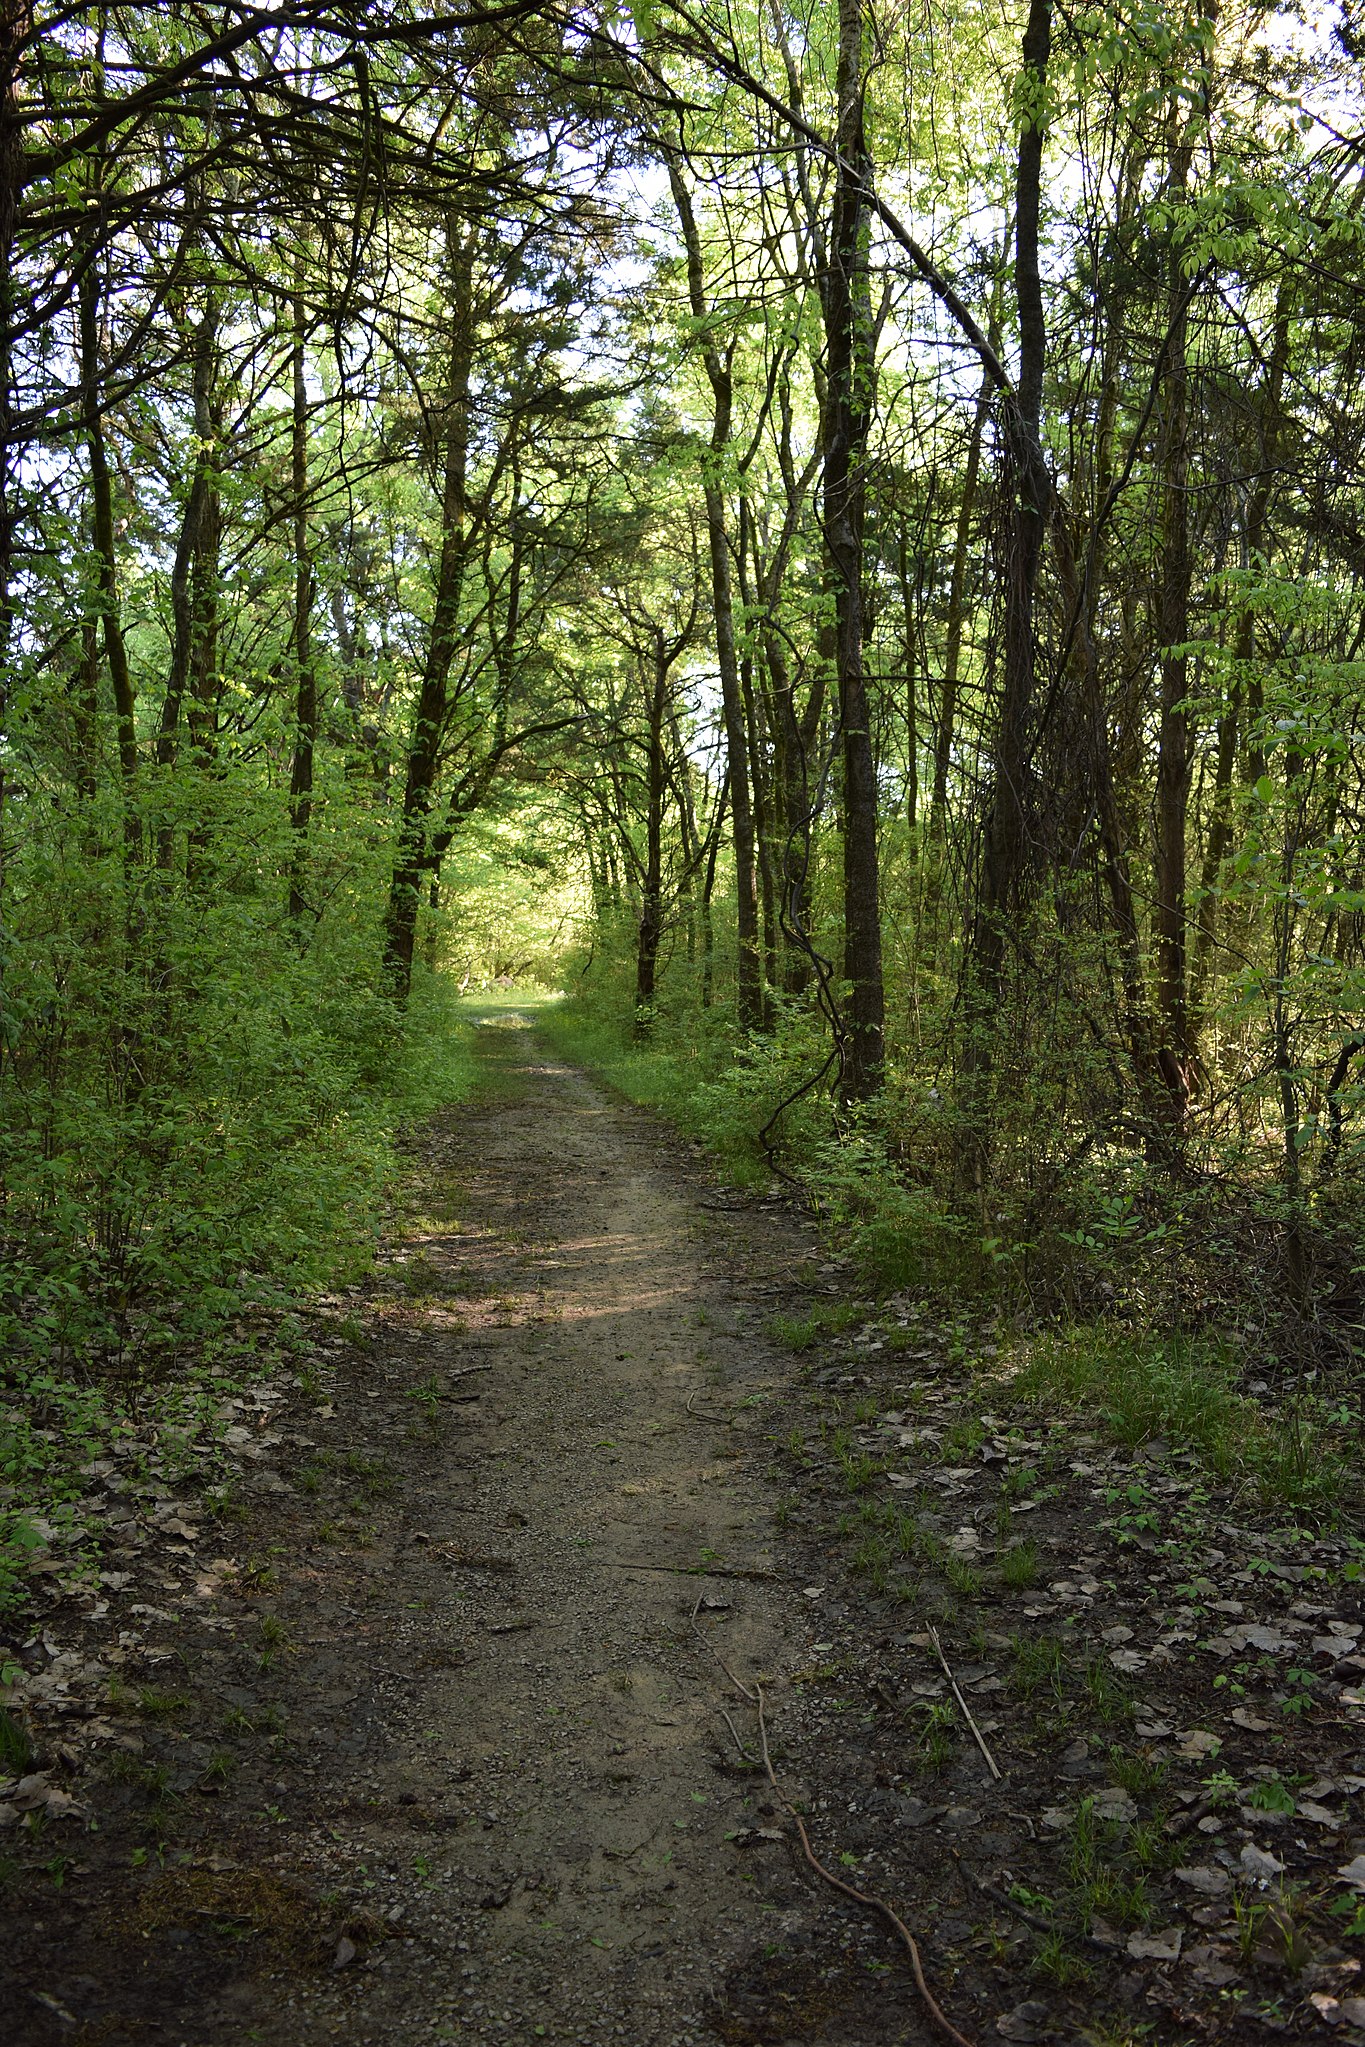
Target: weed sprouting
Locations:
point(1019, 1566)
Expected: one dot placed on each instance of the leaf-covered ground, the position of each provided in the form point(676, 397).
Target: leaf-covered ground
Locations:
point(424, 1710)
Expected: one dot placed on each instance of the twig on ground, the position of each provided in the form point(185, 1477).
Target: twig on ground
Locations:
point(744, 1754)
point(868, 1899)
point(463, 1371)
point(702, 1416)
point(1033, 1919)
point(739, 1686)
point(963, 1707)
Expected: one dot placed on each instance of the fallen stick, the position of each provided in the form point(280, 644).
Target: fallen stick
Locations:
point(963, 1707)
point(1031, 1919)
point(738, 1683)
point(867, 1899)
point(743, 1752)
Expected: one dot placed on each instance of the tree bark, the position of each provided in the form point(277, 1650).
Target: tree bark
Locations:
point(850, 368)
point(106, 560)
point(410, 859)
point(651, 881)
point(1244, 647)
point(1174, 756)
point(306, 687)
point(1004, 854)
point(718, 376)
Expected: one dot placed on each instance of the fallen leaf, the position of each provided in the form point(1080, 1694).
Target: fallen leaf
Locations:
point(1259, 1864)
point(1209, 1964)
point(1202, 1877)
point(1256, 1636)
point(1242, 1716)
point(1353, 1872)
point(1156, 1947)
point(1026, 2023)
point(1197, 1743)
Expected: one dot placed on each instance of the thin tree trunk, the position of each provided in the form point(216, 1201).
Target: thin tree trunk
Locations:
point(718, 375)
point(911, 694)
point(708, 948)
point(410, 859)
point(762, 834)
point(106, 561)
point(188, 555)
point(14, 27)
point(850, 369)
point(651, 890)
point(1174, 755)
point(1004, 854)
point(306, 687)
point(1244, 647)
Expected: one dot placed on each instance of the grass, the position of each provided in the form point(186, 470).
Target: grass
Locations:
point(827, 1318)
point(16, 1750)
point(1019, 1566)
point(156, 1705)
point(1182, 1389)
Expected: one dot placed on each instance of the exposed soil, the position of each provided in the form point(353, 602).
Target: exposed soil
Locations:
point(447, 1742)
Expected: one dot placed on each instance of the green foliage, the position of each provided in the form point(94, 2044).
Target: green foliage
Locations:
point(1181, 1388)
point(154, 1236)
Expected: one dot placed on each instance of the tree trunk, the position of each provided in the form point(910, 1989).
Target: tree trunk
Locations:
point(651, 889)
point(188, 556)
point(908, 614)
point(306, 688)
point(14, 25)
point(1174, 755)
point(1244, 647)
point(850, 368)
point(106, 561)
point(1004, 852)
point(750, 968)
point(410, 859)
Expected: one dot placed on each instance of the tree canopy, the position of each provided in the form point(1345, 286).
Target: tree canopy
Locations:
point(838, 532)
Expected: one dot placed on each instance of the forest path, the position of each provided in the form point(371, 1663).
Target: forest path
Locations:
point(481, 1784)
point(558, 1710)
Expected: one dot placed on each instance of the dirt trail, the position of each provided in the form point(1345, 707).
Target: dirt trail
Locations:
point(587, 1892)
point(478, 1782)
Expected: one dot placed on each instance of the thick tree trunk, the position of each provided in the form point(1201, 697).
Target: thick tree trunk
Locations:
point(850, 369)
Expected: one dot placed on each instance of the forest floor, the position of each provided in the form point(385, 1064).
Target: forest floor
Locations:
point(448, 1730)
